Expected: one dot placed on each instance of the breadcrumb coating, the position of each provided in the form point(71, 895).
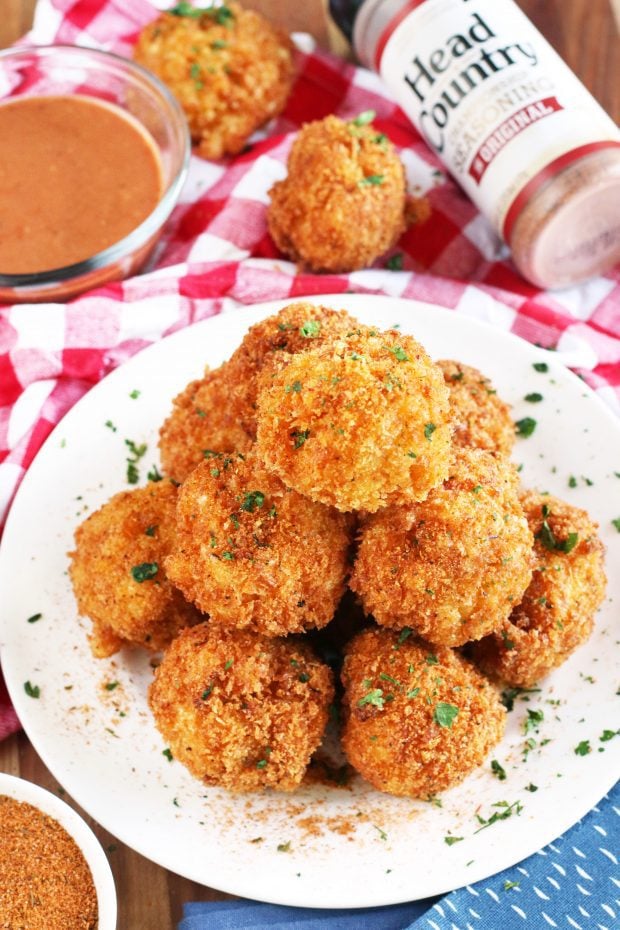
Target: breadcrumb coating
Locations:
point(342, 204)
point(239, 710)
point(556, 614)
point(480, 418)
point(117, 571)
point(228, 67)
point(254, 554)
point(358, 423)
point(202, 420)
point(296, 328)
point(452, 567)
point(418, 718)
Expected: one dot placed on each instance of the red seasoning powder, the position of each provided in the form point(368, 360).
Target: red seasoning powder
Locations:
point(76, 176)
point(45, 882)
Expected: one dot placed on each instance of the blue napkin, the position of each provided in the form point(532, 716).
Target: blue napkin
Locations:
point(573, 882)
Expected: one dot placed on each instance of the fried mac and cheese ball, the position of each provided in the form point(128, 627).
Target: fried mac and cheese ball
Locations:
point(342, 204)
point(452, 567)
point(296, 328)
point(253, 553)
point(418, 718)
point(117, 571)
point(202, 421)
point(556, 614)
point(358, 423)
point(239, 710)
point(228, 67)
point(480, 418)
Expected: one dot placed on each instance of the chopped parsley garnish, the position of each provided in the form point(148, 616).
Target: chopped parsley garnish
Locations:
point(150, 530)
point(219, 44)
point(303, 678)
point(374, 697)
point(221, 14)
point(431, 659)
point(510, 694)
point(284, 847)
point(533, 719)
point(382, 834)
point(540, 366)
point(525, 427)
point(508, 643)
point(399, 353)
point(154, 474)
point(533, 398)
point(395, 262)
point(531, 787)
point(616, 523)
point(451, 840)
point(168, 754)
point(508, 885)
point(413, 693)
point(300, 436)
point(405, 633)
point(310, 329)
point(572, 482)
point(31, 690)
point(548, 539)
point(144, 571)
point(429, 429)
point(137, 452)
point(34, 618)
point(445, 714)
point(252, 500)
point(498, 770)
point(229, 556)
point(110, 425)
point(228, 664)
point(606, 735)
point(206, 693)
point(294, 388)
point(371, 180)
point(583, 748)
point(111, 685)
point(506, 811)
point(134, 394)
point(261, 764)
point(364, 118)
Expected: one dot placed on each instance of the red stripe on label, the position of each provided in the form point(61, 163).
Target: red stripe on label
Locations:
point(497, 140)
point(391, 27)
point(546, 174)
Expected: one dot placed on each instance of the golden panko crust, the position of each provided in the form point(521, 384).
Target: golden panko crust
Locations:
point(418, 718)
point(117, 571)
point(556, 614)
point(229, 68)
point(202, 420)
point(480, 418)
point(452, 567)
point(254, 554)
point(359, 423)
point(296, 328)
point(342, 204)
point(241, 711)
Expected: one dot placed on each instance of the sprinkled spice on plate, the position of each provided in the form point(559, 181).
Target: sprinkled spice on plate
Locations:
point(45, 882)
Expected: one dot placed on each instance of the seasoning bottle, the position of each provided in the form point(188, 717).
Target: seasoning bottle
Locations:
point(509, 119)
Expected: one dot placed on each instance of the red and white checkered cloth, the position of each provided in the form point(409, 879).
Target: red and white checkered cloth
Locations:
point(216, 253)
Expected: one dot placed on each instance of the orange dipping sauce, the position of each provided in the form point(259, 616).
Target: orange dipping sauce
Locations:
point(76, 176)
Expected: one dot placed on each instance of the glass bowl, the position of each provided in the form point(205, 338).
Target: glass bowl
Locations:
point(21, 790)
point(64, 70)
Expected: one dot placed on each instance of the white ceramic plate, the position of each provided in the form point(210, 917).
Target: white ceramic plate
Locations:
point(21, 790)
point(348, 847)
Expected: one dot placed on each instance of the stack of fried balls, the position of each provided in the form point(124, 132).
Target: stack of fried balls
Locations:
point(332, 469)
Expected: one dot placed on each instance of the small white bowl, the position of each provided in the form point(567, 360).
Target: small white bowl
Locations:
point(45, 801)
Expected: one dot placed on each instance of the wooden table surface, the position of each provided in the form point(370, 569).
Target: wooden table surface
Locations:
point(586, 34)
